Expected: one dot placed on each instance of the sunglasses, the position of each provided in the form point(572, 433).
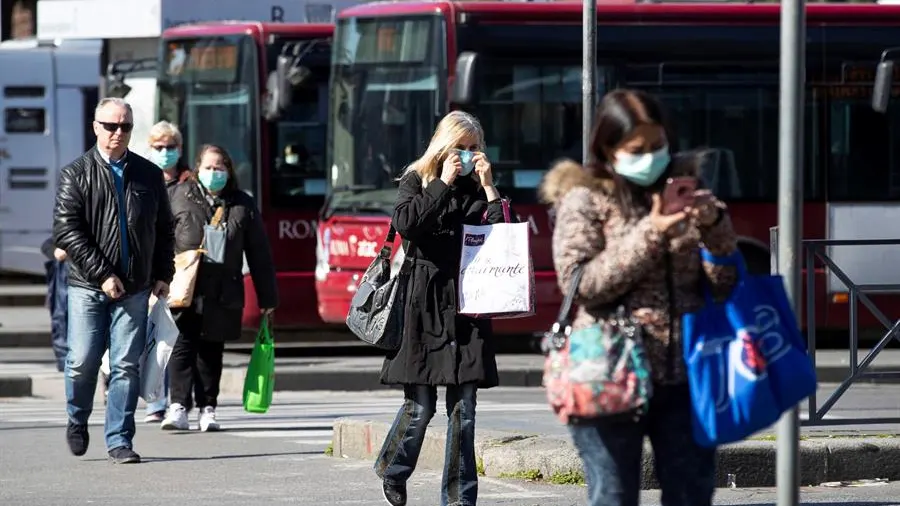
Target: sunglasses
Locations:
point(112, 127)
point(160, 147)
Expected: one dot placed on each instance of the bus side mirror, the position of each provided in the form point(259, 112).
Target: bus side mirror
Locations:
point(465, 84)
point(116, 88)
point(279, 89)
point(285, 88)
point(881, 94)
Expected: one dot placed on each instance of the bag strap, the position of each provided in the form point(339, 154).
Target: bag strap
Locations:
point(564, 320)
point(388, 245)
point(507, 214)
point(504, 203)
point(265, 329)
point(217, 216)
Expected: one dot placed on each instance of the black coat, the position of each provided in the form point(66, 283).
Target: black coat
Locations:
point(221, 286)
point(440, 347)
point(86, 223)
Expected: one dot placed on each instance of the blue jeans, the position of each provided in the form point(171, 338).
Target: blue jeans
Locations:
point(611, 451)
point(96, 322)
point(400, 452)
point(57, 302)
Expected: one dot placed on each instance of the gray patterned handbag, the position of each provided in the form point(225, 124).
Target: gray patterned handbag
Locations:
point(377, 309)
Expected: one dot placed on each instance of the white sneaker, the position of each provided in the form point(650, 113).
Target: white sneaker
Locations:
point(208, 421)
point(176, 418)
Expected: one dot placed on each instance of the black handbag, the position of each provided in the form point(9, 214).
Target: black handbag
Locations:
point(378, 306)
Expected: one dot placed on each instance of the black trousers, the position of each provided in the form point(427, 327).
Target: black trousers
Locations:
point(195, 367)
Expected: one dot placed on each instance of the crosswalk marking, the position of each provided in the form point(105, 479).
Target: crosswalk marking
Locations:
point(303, 418)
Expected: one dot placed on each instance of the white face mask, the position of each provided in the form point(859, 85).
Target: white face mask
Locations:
point(642, 169)
point(292, 159)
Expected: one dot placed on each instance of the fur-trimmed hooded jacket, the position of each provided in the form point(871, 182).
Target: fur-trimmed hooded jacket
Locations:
point(629, 263)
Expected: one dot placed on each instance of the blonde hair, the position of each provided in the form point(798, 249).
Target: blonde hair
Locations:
point(165, 129)
point(450, 130)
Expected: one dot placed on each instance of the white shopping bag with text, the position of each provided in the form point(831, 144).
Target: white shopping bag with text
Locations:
point(161, 336)
point(496, 276)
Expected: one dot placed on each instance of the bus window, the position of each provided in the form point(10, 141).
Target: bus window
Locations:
point(531, 115)
point(299, 169)
point(26, 120)
point(733, 121)
point(864, 157)
point(23, 92)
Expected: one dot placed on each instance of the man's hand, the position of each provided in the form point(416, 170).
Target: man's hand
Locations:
point(113, 288)
point(161, 290)
point(59, 254)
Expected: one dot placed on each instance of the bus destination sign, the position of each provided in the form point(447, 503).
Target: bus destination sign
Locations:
point(203, 60)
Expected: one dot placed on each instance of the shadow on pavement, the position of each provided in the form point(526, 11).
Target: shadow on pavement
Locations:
point(155, 460)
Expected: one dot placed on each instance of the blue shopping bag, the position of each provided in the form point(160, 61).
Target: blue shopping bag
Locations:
point(746, 360)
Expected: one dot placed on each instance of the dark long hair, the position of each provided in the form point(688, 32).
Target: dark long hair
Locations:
point(618, 115)
point(232, 184)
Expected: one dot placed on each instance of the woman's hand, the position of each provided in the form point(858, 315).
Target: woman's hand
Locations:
point(452, 167)
point(666, 224)
point(483, 169)
point(706, 208)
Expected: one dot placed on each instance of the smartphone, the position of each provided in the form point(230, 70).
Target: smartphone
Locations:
point(678, 194)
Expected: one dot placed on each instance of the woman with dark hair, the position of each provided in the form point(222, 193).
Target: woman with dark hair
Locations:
point(610, 221)
point(211, 210)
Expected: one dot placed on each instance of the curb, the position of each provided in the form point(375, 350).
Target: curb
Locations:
point(752, 462)
point(299, 378)
point(25, 339)
point(21, 300)
point(15, 386)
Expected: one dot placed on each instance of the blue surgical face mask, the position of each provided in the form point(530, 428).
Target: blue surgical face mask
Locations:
point(213, 180)
point(164, 158)
point(642, 169)
point(468, 164)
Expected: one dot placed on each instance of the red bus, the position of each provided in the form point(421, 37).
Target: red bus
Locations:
point(400, 66)
point(261, 91)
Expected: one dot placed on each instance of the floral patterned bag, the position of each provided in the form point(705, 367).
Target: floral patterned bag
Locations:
point(597, 371)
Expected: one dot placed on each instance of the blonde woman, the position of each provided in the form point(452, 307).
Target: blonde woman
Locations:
point(450, 185)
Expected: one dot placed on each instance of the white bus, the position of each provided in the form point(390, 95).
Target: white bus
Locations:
point(48, 91)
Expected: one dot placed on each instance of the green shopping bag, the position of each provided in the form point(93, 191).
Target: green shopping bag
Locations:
point(260, 379)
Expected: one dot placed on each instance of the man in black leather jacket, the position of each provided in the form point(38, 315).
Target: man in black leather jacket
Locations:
point(113, 220)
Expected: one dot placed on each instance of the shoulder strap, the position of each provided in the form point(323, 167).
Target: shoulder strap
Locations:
point(388, 245)
point(564, 320)
point(217, 216)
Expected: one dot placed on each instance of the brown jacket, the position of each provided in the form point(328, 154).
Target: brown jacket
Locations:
point(628, 262)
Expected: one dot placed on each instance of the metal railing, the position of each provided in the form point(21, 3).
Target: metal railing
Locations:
point(816, 249)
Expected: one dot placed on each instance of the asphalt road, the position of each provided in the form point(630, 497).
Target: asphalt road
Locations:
point(276, 458)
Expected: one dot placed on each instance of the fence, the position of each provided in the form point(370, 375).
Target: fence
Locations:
point(817, 249)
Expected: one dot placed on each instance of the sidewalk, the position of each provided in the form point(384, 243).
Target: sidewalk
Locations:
point(30, 371)
point(521, 442)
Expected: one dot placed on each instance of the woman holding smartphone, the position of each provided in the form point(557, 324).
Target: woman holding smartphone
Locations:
point(639, 251)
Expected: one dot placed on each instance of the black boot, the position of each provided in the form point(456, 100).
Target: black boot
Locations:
point(394, 494)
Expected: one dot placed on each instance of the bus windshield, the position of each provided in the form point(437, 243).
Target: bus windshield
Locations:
point(386, 98)
point(207, 87)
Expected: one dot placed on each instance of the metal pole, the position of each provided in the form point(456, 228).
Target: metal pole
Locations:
point(588, 75)
point(790, 224)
